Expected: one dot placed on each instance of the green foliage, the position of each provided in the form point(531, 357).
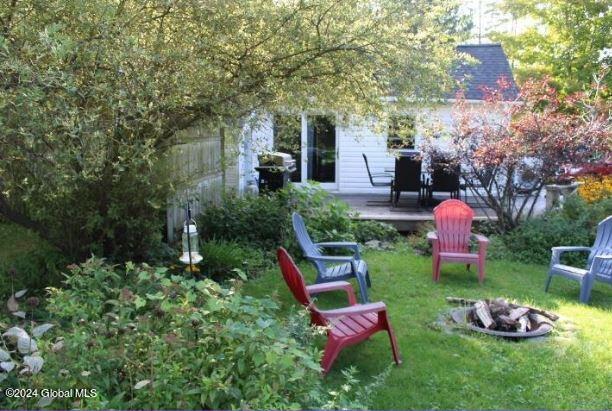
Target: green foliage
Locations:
point(327, 217)
point(366, 230)
point(264, 222)
point(418, 240)
point(562, 39)
point(574, 224)
point(145, 339)
point(26, 261)
point(221, 257)
point(92, 94)
point(257, 221)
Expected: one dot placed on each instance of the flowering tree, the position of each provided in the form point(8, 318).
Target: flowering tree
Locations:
point(511, 149)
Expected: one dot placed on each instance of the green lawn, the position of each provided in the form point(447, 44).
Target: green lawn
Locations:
point(571, 370)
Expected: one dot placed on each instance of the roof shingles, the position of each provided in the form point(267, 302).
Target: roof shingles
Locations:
point(491, 65)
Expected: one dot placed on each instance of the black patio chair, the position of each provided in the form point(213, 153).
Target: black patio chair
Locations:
point(376, 180)
point(444, 178)
point(408, 178)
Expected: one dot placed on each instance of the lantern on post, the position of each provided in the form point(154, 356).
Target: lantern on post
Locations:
point(191, 254)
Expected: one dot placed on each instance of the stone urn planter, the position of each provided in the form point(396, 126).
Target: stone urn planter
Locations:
point(556, 193)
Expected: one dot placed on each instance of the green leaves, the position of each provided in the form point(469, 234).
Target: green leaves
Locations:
point(93, 93)
point(139, 302)
point(561, 39)
point(166, 341)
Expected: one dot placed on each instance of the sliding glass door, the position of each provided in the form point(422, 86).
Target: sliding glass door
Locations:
point(321, 149)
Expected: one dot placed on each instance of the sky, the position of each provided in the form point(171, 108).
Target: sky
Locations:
point(486, 18)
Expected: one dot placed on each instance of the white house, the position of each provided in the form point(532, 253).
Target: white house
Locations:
point(331, 154)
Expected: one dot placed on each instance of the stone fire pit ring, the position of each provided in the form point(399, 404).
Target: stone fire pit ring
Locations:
point(461, 315)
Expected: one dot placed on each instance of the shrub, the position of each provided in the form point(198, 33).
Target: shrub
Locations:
point(221, 257)
point(26, 261)
point(574, 224)
point(366, 230)
point(418, 240)
point(327, 217)
point(259, 221)
point(145, 339)
point(265, 221)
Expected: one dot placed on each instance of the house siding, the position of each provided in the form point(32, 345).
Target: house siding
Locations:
point(352, 141)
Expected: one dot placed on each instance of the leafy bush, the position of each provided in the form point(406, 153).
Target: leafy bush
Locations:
point(265, 221)
point(221, 257)
point(26, 261)
point(145, 339)
point(418, 240)
point(93, 92)
point(21, 348)
point(259, 221)
point(327, 217)
point(574, 224)
point(366, 230)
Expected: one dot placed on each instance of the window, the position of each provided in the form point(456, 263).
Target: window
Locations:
point(402, 132)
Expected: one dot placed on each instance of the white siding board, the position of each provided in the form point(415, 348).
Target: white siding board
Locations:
point(352, 141)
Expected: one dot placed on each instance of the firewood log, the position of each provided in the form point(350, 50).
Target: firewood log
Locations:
point(517, 313)
point(522, 323)
point(483, 314)
point(545, 313)
point(499, 306)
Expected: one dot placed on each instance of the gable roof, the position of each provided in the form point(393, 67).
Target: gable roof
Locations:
point(492, 64)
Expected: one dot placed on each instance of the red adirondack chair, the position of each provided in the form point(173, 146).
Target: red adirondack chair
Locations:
point(451, 240)
point(346, 326)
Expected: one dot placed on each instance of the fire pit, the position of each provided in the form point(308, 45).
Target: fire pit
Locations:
point(501, 318)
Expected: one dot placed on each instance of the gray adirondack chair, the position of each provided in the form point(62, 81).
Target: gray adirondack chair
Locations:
point(599, 263)
point(336, 267)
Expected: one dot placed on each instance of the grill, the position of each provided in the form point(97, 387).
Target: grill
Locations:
point(274, 170)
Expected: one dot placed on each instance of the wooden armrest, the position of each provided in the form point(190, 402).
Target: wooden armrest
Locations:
point(356, 309)
point(334, 286)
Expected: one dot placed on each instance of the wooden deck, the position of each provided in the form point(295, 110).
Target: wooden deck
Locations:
point(407, 215)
